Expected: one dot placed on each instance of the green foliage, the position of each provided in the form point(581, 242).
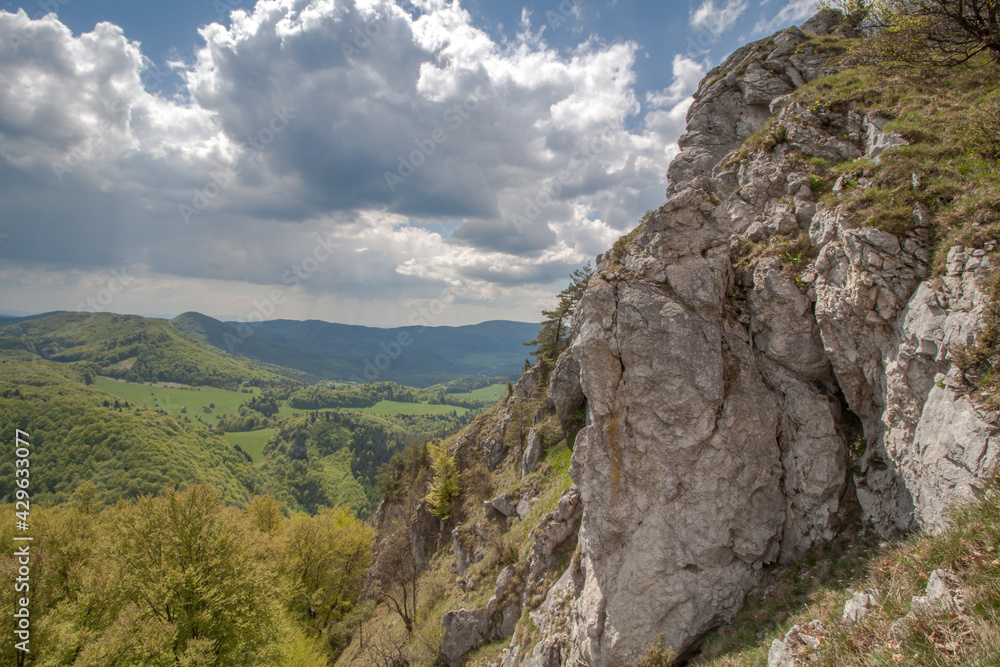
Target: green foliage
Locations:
point(324, 559)
point(182, 579)
point(946, 170)
point(765, 140)
point(657, 655)
point(794, 252)
point(124, 450)
point(444, 487)
point(553, 337)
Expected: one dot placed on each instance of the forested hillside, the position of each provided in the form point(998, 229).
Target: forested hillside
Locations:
point(137, 349)
point(186, 579)
point(79, 433)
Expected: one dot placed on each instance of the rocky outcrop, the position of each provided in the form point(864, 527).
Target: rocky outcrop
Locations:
point(738, 403)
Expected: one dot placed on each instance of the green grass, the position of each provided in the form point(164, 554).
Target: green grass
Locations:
point(252, 442)
point(173, 399)
point(493, 392)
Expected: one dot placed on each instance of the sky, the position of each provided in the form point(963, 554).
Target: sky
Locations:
point(354, 161)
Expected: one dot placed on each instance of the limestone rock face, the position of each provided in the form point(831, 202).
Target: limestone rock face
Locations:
point(739, 398)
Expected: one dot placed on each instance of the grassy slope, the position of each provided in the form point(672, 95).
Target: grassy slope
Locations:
point(123, 344)
point(493, 392)
point(125, 452)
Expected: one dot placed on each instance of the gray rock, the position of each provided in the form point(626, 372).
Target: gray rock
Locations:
point(504, 505)
point(462, 558)
point(876, 140)
point(565, 393)
point(856, 608)
point(732, 407)
point(941, 594)
point(823, 22)
point(464, 631)
point(525, 504)
point(532, 453)
point(780, 655)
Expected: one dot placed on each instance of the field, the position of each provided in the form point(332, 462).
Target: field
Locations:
point(396, 408)
point(252, 442)
point(171, 399)
point(493, 392)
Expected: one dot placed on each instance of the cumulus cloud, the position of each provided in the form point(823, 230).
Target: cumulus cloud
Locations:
point(717, 20)
point(353, 126)
point(687, 74)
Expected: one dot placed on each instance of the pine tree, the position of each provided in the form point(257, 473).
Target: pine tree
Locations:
point(553, 337)
point(444, 486)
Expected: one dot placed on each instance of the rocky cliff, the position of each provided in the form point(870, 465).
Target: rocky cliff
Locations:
point(756, 365)
point(767, 363)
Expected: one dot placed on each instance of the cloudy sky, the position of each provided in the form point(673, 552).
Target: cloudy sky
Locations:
point(343, 160)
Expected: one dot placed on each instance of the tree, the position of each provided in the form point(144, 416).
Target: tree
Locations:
point(925, 32)
point(189, 574)
point(444, 485)
point(324, 560)
point(553, 337)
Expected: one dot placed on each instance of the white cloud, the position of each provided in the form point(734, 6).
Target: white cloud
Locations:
point(793, 13)
point(717, 20)
point(333, 95)
point(687, 74)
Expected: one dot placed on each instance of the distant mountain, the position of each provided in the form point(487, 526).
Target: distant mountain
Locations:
point(414, 355)
point(136, 348)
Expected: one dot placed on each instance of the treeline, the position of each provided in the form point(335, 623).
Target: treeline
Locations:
point(259, 412)
point(184, 579)
point(320, 397)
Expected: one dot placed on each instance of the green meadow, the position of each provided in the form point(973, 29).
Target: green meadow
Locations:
point(173, 399)
point(251, 442)
point(493, 392)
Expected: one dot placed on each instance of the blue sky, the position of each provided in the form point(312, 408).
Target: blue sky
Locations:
point(344, 160)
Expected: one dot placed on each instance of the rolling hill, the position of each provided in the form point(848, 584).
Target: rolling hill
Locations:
point(137, 348)
point(414, 355)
